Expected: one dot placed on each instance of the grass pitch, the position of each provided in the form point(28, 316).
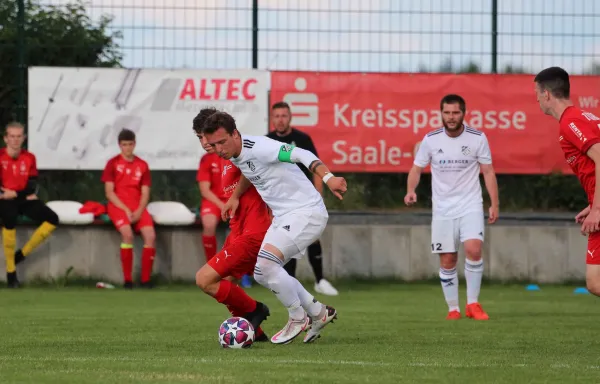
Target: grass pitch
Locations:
point(386, 333)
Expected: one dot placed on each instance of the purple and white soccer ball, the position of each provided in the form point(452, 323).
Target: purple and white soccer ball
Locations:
point(236, 332)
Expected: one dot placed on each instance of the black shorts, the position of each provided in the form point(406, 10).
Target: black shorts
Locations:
point(36, 210)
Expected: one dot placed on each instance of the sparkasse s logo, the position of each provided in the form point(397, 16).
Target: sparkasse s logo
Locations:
point(304, 105)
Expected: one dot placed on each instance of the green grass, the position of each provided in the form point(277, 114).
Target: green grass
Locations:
point(386, 333)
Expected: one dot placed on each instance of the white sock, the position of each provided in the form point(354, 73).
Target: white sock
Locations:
point(269, 273)
point(449, 280)
point(473, 275)
point(311, 305)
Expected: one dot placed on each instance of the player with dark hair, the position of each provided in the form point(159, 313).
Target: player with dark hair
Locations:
point(579, 138)
point(127, 182)
point(457, 153)
point(213, 200)
point(299, 215)
point(238, 256)
point(18, 181)
point(281, 117)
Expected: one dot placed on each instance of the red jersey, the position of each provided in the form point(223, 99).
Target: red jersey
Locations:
point(252, 214)
point(129, 177)
point(579, 130)
point(210, 170)
point(16, 172)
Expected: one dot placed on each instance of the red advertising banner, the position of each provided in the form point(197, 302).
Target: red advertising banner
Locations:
point(375, 122)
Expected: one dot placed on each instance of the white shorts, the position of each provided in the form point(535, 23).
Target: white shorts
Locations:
point(448, 234)
point(293, 232)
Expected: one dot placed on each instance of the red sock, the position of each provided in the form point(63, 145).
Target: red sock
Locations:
point(127, 261)
point(235, 298)
point(210, 246)
point(147, 262)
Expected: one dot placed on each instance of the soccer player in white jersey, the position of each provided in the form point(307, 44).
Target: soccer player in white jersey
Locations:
point(299, 215)
point(457, 153)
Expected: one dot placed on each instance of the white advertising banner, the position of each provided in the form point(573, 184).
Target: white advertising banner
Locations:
point(76, 114)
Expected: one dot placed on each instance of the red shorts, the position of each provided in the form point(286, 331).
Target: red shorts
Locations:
point(593, 251)
point(119, 218)
point(238, 256)
point(209, 208)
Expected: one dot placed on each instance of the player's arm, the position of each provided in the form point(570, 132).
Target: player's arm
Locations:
point(594, 154)
point(208, 194)
point(317, 181)
point(414, 177)
point(484, 157)
point(145, 192)
point(108, 177)
point(242, 187)
point(422, 160)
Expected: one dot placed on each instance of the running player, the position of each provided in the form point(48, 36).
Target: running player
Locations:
point(299, 215)
point(18, 182)
point(238, 256)
point(281, 116)
point(457, 153)
point(127, 181)
point(579, 138)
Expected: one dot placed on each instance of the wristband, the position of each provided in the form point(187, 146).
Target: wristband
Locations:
point(327, 177)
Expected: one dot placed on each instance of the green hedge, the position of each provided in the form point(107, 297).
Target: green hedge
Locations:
point(366, 191)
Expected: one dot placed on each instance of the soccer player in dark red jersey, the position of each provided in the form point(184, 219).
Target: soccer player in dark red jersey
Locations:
point(239, 253)
point(209, 182)
point(579, 139)
point(127, 183)
point(18, 181)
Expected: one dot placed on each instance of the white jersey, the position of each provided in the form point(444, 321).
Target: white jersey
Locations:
point(455, 185)
point(282, 186)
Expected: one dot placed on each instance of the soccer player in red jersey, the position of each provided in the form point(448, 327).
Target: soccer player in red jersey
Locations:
point(127, 182)
point(209, 182)
point(579, 139)
point(239, 253)
point(18, 182)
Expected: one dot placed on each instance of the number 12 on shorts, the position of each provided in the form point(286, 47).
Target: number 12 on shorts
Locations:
point(436, 246)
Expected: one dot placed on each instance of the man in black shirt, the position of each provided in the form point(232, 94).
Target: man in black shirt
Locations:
point(281, 117)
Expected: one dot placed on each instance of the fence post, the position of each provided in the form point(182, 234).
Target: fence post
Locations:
point(254, 34)
point(21, 62)
point(494, 36)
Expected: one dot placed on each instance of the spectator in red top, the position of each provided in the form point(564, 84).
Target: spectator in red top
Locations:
point(209, 182)
point(127, 182)
point(18, 180)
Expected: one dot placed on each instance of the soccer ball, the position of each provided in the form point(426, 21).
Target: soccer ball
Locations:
point(236, 332)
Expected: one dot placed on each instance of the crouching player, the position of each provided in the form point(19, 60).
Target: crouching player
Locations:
point(239, 253)
point(18, 181)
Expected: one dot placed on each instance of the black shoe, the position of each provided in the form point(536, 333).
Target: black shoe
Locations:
point(259, 315)
point(128, 285)
point(19, 257)
point(262, 338)
point(11, 280)
point(147, 285)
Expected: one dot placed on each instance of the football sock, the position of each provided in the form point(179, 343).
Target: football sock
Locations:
point(315, 259)
point(147, 263)
point(210, 246)
point(473, 276)
point(449, 280)
point(38, 237)
point(308, 301)
point(235, 298)
point(9, 241)
point(269, 273)
point(127, 261)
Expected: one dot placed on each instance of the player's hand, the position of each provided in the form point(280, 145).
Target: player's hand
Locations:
point(135, 216)
point(129, 214)
point(582, 215)
point(8, 194)
point(410, 198)
point(32, 197)
point(229, 208)
point(592, 222)
point(493, 214)
point(338, 186)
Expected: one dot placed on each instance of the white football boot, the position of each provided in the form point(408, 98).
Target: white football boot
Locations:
point(318, 323)
point(324, 287)
point(292, 329)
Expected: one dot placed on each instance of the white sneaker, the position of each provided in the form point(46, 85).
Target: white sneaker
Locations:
point(319, 323)
point(292, 329)
point(324, 287)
